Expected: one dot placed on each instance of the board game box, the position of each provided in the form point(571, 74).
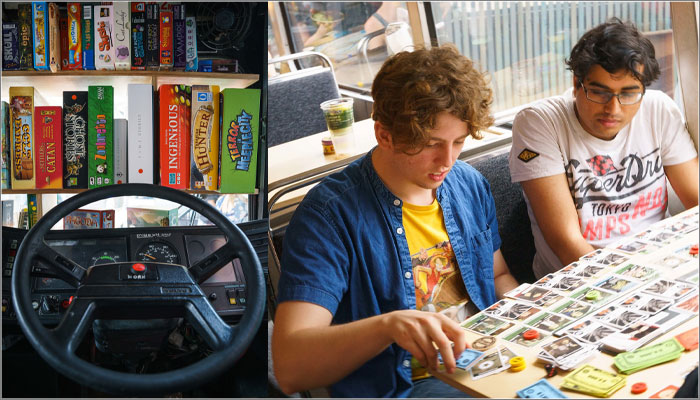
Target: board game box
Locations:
point(74, 39)
point(54, 41)
point(22, 144)
point(175, 104)
point(40, 27)
point(191, 43)
point(89, 219)
point(166, 37)
point(104, 43)
point(49, 147)
point(152, 37)
point(205, 138)
point(179, 37)
point(138, 35)
point(121, 36)
point(120, 149)
point(100, 136)
point(75, 116)
point(26, 45)
point(10, 46)
point(140, 134)
point(240, 110)
point(5, 130)
point(88, 42)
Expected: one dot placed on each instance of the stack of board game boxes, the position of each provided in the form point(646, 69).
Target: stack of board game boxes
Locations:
point(185, 137)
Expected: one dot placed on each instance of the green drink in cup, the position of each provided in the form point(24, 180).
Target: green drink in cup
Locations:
point(339, 118)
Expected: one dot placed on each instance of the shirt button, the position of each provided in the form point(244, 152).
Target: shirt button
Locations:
point(397, 202)
point(407, 275)
point(399, 231)
point(407, 363)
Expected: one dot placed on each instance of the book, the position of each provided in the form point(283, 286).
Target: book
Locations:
point(40, 26)
point(205, 138)
point(120, 135)
point(54, 41)
point(75, 139)
point(122, 35)
point(240, 111)
point(5, 130)
point(175, 103)
point(88, 40)
point(10, 46)
point(26, 43)
point(166, 36)
point(100, 136)
point(192, 62)
point(75, 49)
point(140, 134)
point(48, 144)
point(138, 35)
point(104, 45)
point(152, 37)
point(179, 37)
point(22, 143)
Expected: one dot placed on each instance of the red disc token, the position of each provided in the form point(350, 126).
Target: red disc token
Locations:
point(639, 387)
point(531, 334)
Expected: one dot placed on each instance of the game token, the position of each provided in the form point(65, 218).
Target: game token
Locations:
point(517, 364)
point(551, 370)
point(531, 334)
point(639, 387)
point(483, 343)
point(593, 295)
point(694, 250)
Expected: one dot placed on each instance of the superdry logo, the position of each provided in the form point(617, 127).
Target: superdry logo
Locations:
point(527, 155)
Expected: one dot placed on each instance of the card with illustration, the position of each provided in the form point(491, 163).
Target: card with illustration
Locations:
point(588, 330)
point(585, 294)
point(541, 390)
point(467, 358)
point(532, 294)
point(573, 309)
point(548, 322)
point(548, 299)
point(486, 325)
point(632, 246)
point(616, 284)
point(632, 337)
point(689, 303)
point(564, 350)
point(619, 317)
point(681, 226)
point(512, 310)
point(517, 337)
point(666, 288)
point(488, 365)
point(646, 303)
point(671, 261)
point(691, 277)
point(656, 236)
point(560, 282)
point(636, 271)
point(668, 392)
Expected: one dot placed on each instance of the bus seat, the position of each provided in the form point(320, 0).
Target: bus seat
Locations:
point(294, 99)
point(518, 245)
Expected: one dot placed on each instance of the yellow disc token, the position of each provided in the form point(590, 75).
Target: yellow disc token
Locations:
point(517, 369)
point(516, 362)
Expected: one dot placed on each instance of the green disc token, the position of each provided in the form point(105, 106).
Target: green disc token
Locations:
point(593, 295)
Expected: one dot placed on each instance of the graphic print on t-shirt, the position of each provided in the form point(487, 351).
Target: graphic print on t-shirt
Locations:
point(610, 198)
point(437, 279)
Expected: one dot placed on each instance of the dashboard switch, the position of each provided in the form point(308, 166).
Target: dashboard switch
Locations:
point(138, 267)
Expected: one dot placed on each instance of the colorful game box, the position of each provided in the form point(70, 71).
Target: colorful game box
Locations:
point(26, 45)
point(22, 128)
point(104, 44)
point(166, 36)
point(10, 46)
point(138, 217)
point(54, 42)
point(49, 147)
point(175, 105)
point(240, 110)
point(121, 36)
point(179, 37)
point(5, 130)
point(120, 134)
point(88, 42)
point(75, 116)
point(205, 138)
point(75, 52)
point(40, 28)
point(140, 134)
point(100, 136)
point(63, 25)
point(191, 43)
point(89, 219)
point(138, 35)
point(152, 37)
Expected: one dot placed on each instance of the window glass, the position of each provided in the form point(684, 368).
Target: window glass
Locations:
point(356, 36)
point(523, 45)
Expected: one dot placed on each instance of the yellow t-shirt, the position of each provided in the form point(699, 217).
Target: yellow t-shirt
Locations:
point(438, 282)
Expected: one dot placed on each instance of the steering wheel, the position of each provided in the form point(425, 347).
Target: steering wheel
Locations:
point(131, 291)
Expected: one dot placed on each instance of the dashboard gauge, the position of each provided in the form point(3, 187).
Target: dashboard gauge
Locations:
point(105, 257)
point(158, 252)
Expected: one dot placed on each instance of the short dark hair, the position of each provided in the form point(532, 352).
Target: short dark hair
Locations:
point(412, 88)
point(615, 46)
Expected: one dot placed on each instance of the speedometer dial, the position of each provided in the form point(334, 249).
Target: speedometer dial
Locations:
point(158, 252)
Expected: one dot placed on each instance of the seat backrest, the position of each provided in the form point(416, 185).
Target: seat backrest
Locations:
point(293, 103)
point(518, 245)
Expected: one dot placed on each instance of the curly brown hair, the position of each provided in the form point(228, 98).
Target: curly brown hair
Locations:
point(412, 88)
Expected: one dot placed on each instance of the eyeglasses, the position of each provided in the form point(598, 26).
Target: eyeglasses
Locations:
point(603, 96)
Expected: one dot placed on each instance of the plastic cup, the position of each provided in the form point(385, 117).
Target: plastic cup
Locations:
point(339, 119)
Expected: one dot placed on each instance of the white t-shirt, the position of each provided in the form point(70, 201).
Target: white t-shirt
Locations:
point(618, 186)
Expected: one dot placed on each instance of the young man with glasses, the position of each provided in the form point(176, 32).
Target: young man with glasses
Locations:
point(593, 162)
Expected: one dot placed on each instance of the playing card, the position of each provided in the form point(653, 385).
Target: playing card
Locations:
point(688, 339)
point(489, 364)
point(689, 303)
point(617, 316)
point(616, 284)
point(548, 322)
point(667, 288)
point(467, 357)
point(541, 390)
point(573, 309)
point(512, 310)
point(666, 393)
point(532, 294)
point(587, 330)
point(646, 303)
point(636, 271)
point(517, 337)
point(486, 325)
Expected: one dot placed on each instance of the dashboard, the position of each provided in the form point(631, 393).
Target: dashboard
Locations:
point(51, 296)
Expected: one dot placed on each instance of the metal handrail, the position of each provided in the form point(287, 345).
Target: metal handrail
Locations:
point(302, 54)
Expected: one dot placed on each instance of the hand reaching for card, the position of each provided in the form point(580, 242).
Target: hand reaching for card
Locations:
point(416, 331)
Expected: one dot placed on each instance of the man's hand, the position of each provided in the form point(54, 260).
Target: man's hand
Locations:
point(416, 331)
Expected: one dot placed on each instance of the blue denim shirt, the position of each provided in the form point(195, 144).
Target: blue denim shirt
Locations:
point(345, 250)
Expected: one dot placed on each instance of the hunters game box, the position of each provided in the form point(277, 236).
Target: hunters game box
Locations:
point(104, 44)
point(48, 144)
point(240, 110)
point(175, 103)
point(75, 49)
point(75, 116)
point(205, 138)
point(121, 36)
point(40, 29)
point(100, 136)
point(22, 131)
point(138, 35)
point(26, 45)
point(88, 38)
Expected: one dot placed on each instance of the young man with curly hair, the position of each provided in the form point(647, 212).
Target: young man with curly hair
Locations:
point(593, 162)
point(379, 258)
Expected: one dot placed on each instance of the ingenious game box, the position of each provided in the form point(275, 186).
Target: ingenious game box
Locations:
point(22, 144)
point(48, 143)
point(175, 103)
point(100, 136)
point(205, 138)
point(75, 116)
point(240, 110)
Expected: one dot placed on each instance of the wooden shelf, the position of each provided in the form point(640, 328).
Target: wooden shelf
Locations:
point(53, 191)
point(211, 75)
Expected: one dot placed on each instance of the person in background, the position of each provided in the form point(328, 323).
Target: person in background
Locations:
point(379, 256)
point(594, 162)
